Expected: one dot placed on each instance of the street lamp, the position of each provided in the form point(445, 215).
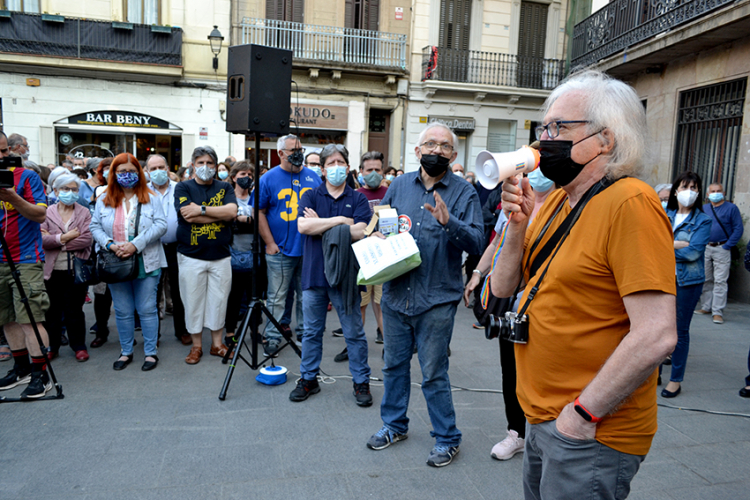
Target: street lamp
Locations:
point(215, 39)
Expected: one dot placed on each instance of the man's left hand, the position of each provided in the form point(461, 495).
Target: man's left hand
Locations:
point(9, 196)
point(190, 212)
point(440, 210)
point(572, 425)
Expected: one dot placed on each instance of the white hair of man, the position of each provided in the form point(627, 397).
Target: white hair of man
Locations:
point(65, 179)
point(613, 105)
point(432, 125)
point(661, 187)
point(281, 141)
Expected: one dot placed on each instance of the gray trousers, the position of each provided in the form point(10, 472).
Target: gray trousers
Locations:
point(556, 467)
point(715, 288)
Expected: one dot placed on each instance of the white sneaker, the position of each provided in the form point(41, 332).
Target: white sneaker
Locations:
point(505, 449)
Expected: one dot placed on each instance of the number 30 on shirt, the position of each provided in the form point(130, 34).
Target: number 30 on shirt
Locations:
point(292, 202)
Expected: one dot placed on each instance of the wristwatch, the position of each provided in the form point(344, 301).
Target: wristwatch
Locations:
point(203, 209)
point(583, 412)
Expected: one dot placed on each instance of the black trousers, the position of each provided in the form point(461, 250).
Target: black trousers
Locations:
point(242, 286)
point(513, 411)
point(102, 310)
point(65, 308)
point(173, 274)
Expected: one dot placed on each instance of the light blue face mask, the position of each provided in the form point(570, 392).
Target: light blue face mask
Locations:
point(68, 197)
point(390, 177)
point(715, 197)
point(223, 174)
point(361, 180)
point(664, 205)
point(336, 175)
point(317, 170)
point(539, 182)
point(159, 177)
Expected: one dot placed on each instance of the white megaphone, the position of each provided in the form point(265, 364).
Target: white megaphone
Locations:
point(492, 168)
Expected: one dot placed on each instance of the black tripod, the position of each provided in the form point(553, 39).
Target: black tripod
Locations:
point(253, 318)
point(17, 278)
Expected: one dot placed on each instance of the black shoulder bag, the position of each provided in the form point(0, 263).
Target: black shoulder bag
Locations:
point(113, 269)
point(734, 251)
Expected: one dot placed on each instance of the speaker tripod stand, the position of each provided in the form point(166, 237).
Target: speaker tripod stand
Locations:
point(25, 300)
point(253, 318)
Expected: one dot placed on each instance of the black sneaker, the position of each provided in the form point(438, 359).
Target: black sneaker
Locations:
point(338, 332)
point(379, 337)
point(442, 455)
point(271, 349)
point(64, 339)
point(342, 356)
point(39, 386)
point(362, 394)
point(384, 438)
point(14, 378)
point(304, 389)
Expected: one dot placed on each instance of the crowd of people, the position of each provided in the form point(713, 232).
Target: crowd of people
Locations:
point(625, 267)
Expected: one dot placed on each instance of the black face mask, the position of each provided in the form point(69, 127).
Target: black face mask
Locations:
point(555, 161)
point(434, 165)
point(297, 158)
point(244, 182)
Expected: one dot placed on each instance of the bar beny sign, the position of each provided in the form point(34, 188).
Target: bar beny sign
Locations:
point(316, 116)
point(117, 119)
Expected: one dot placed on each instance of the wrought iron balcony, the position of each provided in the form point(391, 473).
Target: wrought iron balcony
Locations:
point(329, 44)
point(490, 68)
point(623, 23)
point(57, 36)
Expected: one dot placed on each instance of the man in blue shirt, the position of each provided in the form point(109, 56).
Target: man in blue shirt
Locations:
point(280, 191)
point(324, 208)
point(726, 231)
point(442, 213)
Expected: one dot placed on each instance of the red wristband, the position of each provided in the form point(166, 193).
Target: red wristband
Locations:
point(583, 412)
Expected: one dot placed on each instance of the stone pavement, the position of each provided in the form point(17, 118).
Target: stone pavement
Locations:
point(164, 434)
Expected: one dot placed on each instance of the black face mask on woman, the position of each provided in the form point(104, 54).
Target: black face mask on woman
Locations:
point(434, 165)
point(244, 182)
point(555, 161)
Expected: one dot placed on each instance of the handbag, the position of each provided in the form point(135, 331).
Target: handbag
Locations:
point(734, 251)
point(113, 269)
point(241, 261)
point(83, 270)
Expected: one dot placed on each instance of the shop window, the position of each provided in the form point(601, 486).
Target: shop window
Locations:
point(142, 11)
point(31, 6)
point(709, 126)
point(501, 136)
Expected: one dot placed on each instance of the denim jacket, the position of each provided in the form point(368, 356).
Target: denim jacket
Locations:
point(152, 226)
point(695, 229)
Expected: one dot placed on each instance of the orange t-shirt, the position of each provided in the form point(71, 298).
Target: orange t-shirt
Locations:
point(621, 244)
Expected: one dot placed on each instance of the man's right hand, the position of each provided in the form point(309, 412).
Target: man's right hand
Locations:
point(70, 235)
point(518, 199)
point(470, 287)
point(272, 249)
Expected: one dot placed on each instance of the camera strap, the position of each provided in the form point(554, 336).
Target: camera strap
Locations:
point(558, 238)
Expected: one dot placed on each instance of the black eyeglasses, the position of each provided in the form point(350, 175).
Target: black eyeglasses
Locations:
point(296, 150)
point(553, 128)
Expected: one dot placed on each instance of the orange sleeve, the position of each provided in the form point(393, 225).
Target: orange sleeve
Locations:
point(640, 247)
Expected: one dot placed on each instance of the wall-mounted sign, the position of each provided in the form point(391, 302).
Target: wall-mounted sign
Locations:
point(117, 119)
point(33, 82)
point(317, 116)
point(422, 119)
point(527, 124)
point(399, 13)
point(203, 133)
point(455, 123)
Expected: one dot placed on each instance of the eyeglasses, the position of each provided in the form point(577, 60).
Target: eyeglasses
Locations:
point(313, 164)
point(432, 146)
point(553, 128)
point(296, 150)
point(66, 189)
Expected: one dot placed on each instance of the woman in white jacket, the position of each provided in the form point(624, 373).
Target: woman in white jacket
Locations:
point(113, 228)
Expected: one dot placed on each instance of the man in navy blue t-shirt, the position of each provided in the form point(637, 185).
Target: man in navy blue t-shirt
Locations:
point(280, 191)
point(324, 208)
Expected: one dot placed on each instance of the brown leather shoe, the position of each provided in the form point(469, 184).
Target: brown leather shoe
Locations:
point(218, 351)
point(195, 355)
point(186, 339)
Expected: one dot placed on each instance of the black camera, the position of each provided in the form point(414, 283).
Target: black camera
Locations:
point(510, 327)
point(6, 177)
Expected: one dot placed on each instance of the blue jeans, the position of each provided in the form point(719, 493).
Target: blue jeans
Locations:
point(315, 303)
point(687, 299)
point(431, 331)
point(137, 295)
point(283, 272)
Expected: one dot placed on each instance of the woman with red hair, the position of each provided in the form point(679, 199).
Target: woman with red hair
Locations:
point(128, 220)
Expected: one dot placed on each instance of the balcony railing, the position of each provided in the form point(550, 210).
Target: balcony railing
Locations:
point(85, 39)
point(329, 44)
point(490, 68)
point(623, 23)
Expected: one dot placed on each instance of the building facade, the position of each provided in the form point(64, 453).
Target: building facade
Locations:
point(689, 62)
point(484, 68)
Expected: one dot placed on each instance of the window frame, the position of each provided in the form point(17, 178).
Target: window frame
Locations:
point(143, 11)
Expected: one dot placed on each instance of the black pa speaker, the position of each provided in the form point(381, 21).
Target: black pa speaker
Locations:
point(259, 89)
